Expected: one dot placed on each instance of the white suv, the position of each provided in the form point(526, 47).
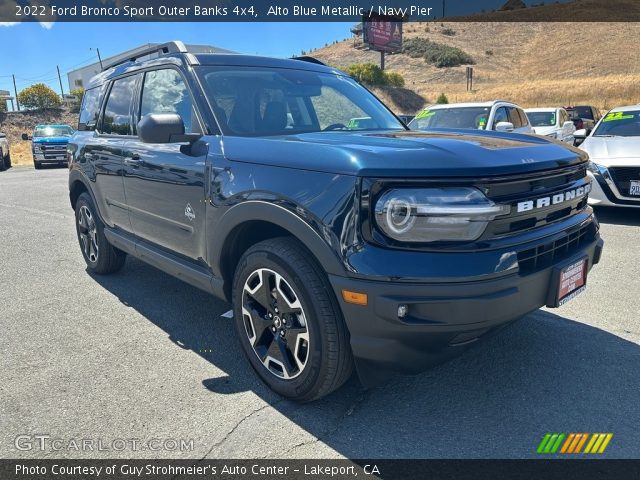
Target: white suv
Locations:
point(498, 115)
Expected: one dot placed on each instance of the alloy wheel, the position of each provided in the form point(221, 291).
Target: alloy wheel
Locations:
point(275, 323)
point(87, 230)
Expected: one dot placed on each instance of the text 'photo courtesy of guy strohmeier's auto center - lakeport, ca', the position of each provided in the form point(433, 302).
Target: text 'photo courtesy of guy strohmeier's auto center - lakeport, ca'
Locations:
point(320, 239)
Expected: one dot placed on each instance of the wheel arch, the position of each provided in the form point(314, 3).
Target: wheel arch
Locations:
point(251, 222)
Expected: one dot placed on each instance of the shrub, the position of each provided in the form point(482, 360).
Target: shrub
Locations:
point(38, 97)
point(489, 53)
point(435, 53)
point(442, 98)
point(372, 74)
point(448, 31)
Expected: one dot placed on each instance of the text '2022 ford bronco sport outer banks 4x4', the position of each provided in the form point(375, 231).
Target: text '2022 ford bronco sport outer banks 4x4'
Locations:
point(380, 248)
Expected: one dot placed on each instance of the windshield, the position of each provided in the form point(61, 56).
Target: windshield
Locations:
point(542, 119)
point(454, 117)
point(620, 124)
point(261, 101)
point(63, 131)
point(580, 112)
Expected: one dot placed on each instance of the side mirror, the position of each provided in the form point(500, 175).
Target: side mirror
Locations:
point(568, 125)
point(26, 137)
point(504, 127)
point(164, 128)
point(160, 127)
point(579, 136)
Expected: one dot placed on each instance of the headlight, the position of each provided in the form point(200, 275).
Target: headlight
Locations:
point(37, 148)
point(594, 168)
point(435, 214)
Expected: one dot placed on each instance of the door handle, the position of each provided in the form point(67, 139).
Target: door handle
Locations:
point(132, 160)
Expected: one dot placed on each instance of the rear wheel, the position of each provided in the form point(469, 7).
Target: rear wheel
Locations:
point(7, 161)
point(289, 323)
point(98, 253)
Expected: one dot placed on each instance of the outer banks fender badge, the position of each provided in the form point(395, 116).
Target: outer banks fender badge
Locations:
point(189, 213)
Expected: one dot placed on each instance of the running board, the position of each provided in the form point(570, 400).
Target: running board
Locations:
point(168, 263)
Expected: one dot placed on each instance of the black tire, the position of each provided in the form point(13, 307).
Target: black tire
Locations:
point(37, 165)
point(101, 257)
point(7, 161)
point(326, 356)
point(3, 161)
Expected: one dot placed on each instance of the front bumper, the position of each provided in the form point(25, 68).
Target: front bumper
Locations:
point(443, 318)
point(604, 192)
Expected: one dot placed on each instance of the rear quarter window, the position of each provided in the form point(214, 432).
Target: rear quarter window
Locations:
point(90, 109)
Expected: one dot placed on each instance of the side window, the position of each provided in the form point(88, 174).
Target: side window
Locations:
point(501, 116)
point(90, 110)
point(164, 91)
point(514, 117)
point(563, 117)
point(117, 113)
point(524, 121)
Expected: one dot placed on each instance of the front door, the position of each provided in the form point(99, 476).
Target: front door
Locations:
point(165, 183)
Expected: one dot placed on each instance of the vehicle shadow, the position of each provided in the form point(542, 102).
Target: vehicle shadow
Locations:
point(542, 374)
point(618, 216)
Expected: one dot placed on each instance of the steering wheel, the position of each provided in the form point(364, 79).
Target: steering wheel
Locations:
point(335, 126)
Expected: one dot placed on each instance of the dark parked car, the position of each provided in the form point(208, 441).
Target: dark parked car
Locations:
point(384, 249)
point(583, 116)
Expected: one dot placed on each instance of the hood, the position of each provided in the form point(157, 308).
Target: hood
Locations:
point(50, 139)
point(545, 130)
point(613, 150)
point(450, 153)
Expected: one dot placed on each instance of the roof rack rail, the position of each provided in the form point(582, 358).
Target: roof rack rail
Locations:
point(163, 48)
point(308, 59)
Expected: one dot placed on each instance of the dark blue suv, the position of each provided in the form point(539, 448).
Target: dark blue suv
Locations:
point(339, 244)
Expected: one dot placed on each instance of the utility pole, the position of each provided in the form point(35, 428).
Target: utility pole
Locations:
point(60, 80)
point(15, 90)
point(381, 60)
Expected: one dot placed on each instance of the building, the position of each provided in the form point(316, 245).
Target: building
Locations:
point(80, 77)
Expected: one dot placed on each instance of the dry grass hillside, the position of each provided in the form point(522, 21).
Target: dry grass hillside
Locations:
point(14, 124)
point(534, 64)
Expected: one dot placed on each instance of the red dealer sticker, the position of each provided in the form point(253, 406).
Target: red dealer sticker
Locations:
point(573, 281)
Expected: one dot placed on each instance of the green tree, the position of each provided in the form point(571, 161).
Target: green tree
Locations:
point(78, 92)
point(442, 98)
point(38, 96)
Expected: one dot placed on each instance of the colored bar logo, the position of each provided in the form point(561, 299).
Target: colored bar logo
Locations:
point(553, 443)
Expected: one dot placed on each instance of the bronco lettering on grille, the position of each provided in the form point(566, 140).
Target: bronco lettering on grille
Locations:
point(556, 199)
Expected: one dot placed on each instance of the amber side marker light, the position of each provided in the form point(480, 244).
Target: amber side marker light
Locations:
point(354, 297)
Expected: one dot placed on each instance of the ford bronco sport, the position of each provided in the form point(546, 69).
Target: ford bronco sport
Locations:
point(379, 247)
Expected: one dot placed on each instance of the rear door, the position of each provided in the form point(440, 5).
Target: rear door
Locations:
point(164, 183)
point(104, 152)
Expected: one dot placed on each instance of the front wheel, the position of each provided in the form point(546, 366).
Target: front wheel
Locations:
point(289, 323)
point(99, 254)
point(37, 165)
point(7, 162)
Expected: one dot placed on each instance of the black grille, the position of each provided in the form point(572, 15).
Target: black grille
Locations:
point(622, 177)
point(547, 254)
point(520, 189)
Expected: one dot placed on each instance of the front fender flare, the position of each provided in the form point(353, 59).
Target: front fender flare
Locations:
point(258, 210)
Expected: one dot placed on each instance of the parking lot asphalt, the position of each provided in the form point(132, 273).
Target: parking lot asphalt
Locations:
point(141, 355)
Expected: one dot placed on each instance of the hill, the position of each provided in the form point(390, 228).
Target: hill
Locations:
point(534, 64)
